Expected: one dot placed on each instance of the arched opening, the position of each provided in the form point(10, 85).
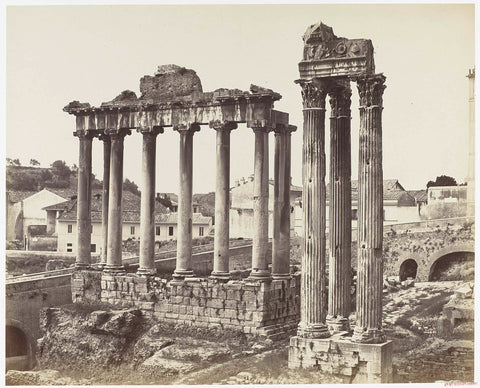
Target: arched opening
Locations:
point(17, 349)
point(453, 266)
point(408, 269)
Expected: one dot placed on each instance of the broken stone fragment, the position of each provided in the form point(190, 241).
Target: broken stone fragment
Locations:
point(127, 97)
point(74, 105)
point(170, 83)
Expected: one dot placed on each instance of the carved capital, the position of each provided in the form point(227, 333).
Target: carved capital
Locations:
point(370, 90)
point(153, 131)
point(187, 128)
point(281, 129)
point(85, 135)
point(314, 93)
point(117, 134)
point(219, 125)
point(259, 125)
point(340, 101)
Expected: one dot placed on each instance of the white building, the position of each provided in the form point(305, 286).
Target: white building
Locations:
point(165, 223)
point(25, 208)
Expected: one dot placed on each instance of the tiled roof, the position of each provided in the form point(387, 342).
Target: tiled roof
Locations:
point(131, 211)
point(64, 193)
point(419, 195)
point(60, 206)
point(17, 195)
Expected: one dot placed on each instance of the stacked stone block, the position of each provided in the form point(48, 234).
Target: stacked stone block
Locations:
point(252, 307)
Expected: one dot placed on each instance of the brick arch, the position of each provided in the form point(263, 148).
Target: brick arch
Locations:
point(31, 342)
point(464, 247)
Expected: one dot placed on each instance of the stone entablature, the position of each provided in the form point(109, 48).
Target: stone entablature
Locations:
point(252, 307)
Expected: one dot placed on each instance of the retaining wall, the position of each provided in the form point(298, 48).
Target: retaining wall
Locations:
point(263, 308)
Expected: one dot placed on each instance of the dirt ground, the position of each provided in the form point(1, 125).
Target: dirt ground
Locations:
point(422, 352)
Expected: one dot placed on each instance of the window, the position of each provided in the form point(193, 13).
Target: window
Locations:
point(157, 230)
point(91, 229)
point(354, 214)
point(200, 231)
point(132, 230)
point(70, 228)
point(170, 230)
point(69, 247)
point(93, 247)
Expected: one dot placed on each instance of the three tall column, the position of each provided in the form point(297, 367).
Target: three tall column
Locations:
point(368, 328)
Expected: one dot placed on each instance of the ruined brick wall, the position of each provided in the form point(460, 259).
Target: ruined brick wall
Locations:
point(423, 247)
point(251, 307)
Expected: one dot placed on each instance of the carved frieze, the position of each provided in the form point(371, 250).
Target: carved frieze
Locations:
point(326, 55)
point(370, 90)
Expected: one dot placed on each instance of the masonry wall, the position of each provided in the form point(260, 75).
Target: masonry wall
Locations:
point(250, 307)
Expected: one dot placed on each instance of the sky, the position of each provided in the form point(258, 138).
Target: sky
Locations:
point(56, 54)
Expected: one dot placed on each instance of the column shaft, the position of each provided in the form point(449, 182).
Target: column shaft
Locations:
point(281, 205)
point(260, 207)
point(84, 224)
point(184, 220)
point(340, 205)
point(115, 210)
point(147, 208)
point(106, 183)
point(368, 328)
point(221, 260)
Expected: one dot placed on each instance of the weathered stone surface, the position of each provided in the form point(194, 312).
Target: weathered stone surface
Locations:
point(118, 323)
point(43, 377)
point(159, 366)
point(127, 97)
point(170, 83)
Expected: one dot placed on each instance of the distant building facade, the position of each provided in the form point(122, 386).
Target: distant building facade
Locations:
point(25, 208)
point(241, 207)
point(446, 202)
point(165, 223)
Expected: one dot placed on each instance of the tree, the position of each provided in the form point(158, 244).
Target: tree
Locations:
point(61, 170)
point(442, 180)
point(34, 162)
point(13, 162)
point(131, 186)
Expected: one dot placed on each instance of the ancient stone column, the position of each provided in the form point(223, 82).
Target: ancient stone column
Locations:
point(281, 204)
point(147, 204)
point(106, 183)
point(260, 204)
point(368, 328)
point(222, 201)
point(84, 224)
point(313, 304)
point(340, 207)
point(115, 210)
point(184, 221)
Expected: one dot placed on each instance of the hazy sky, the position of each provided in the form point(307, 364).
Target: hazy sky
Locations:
point(56, 54)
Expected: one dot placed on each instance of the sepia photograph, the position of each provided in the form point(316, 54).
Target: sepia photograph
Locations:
point(232, 194)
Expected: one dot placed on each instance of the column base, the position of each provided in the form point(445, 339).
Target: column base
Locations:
point(80, 266)
point(114, 268)
point(317, 330)
point(262, 275)
point(348, 361)
point(368, 336)
point(180, 274)
point(146, 271)
point(279, 276)
point(337, 324)
point(220, 276)
point(99, 266)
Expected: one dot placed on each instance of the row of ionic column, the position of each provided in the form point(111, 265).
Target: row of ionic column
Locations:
point(322, 315)
point(111, 259)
